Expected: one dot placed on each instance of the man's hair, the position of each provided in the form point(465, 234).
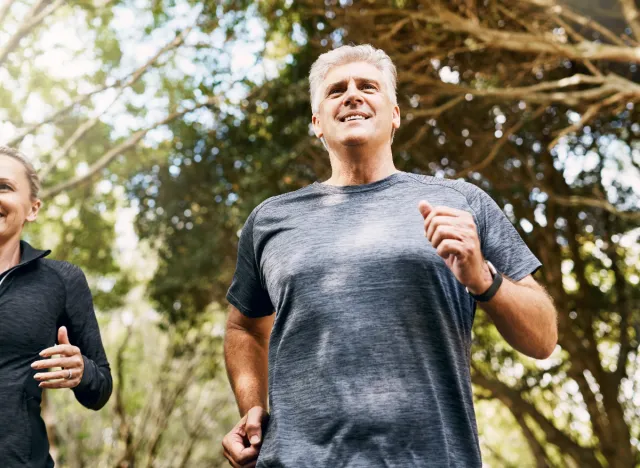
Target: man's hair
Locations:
point(32, 175)
point(349, 54)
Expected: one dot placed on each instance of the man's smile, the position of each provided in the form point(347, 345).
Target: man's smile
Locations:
point(351, 116)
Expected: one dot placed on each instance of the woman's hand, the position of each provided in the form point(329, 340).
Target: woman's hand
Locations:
point(70, 359)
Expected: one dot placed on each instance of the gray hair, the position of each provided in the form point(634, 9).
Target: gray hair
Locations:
point(349, 54)
point(32, 175)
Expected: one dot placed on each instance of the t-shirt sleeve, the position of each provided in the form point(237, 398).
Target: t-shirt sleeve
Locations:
point(500, 241)
point(247, 292)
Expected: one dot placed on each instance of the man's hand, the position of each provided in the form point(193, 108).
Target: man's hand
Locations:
point(242, 444)
point(454, 235)
point(70, 359)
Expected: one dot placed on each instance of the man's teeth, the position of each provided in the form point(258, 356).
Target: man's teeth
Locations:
point(354, 117)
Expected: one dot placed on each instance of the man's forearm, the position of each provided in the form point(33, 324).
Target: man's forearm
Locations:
point(246, 358)
point(526, 317)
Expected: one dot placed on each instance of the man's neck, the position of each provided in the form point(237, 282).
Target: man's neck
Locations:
point(358, 166)
point(9, 253)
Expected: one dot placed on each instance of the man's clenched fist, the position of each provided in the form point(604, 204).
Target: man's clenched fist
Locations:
point(454, 235)
point(242, 444)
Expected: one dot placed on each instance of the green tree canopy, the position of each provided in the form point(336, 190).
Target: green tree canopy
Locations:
point(534, 101)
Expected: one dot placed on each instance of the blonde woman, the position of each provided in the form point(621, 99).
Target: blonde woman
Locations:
point(49, 336)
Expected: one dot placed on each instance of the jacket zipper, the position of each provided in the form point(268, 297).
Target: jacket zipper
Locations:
point(11, 270)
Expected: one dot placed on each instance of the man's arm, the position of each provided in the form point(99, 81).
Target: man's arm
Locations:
point(525, 316)
point(523, 312)
point(246, 349)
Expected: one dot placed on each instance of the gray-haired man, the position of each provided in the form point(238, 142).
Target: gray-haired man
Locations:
point(367, 354)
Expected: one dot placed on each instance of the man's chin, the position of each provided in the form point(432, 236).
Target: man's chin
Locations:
point(354, 143)
point(355, 140)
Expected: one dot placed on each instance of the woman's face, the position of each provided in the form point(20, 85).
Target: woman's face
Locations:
point(16, 205)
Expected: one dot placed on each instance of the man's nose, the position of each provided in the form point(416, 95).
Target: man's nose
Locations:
point(352, 96)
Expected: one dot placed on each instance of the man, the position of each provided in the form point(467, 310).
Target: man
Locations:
point(367, 354)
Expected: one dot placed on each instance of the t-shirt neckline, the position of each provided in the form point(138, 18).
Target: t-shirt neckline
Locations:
point(377, 185)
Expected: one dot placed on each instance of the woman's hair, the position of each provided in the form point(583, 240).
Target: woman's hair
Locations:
point(349, 54)
point(32, 175)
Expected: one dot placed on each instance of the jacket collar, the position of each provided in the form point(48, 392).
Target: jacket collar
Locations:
point(28, 253)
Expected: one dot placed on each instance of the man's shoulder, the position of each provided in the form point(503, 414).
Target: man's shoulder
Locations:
point(469, 190)
point(284, 200)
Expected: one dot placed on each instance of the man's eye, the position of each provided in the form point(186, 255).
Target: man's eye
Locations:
point(368, 86)
point(5, 187)
point(334, 91)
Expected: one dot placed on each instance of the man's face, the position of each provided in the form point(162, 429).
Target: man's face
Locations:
point(16, 205)
point(355, 108)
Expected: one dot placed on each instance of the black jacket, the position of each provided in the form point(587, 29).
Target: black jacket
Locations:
point(36, 298)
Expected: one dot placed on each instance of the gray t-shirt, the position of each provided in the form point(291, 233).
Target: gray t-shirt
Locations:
point(370, 348)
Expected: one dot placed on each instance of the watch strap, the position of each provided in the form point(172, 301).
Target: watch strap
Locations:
point(493, 289)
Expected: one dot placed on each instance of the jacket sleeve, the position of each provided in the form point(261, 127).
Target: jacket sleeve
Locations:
point(96, 385)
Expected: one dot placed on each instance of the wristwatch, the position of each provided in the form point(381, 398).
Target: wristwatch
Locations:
point(493, 289)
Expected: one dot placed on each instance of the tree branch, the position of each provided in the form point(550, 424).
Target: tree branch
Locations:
point(395, 29)
point(631, 16)
point(169, 401)
point(579, 38)
point(584, 456)
point(599, 423)
point(124, 428)
point(530, 43)
point(4, 10)
point(504, 463)
point(543, 93)
point(110, 155)
point(103, 4)
point(125, 82)
point(37, 15)
point(555, 9)
point(88, 125)
point(433, 112)
point(537, 449)
point(194, 432)
point(57, 114)
point(590, 113)
point(436, 111)
point(577, 200)
point(424, 128)
point(625, 311)
point(498, 146)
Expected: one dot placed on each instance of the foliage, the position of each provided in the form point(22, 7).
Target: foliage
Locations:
point(534, 101)
point(170, 404)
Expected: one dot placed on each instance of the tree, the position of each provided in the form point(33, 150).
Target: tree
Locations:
point(171, 404)
point(88, 89)
point(534, 101)
point(68, 117)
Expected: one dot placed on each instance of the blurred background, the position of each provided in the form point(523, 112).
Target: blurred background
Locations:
point(157, 126)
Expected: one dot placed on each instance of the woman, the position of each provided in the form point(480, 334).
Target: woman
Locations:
point(41, 301)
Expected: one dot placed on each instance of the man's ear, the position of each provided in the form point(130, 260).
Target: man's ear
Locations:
point(317, 128)
point(35, 208)
point(396, 117)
